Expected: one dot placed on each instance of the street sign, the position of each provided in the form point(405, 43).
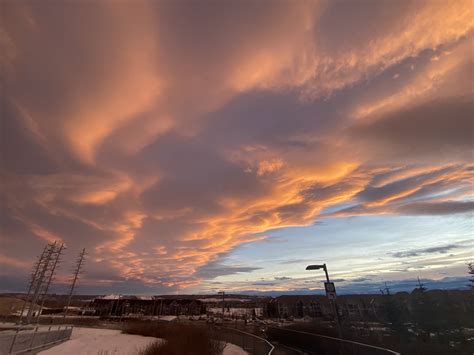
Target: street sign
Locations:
point(330, 290)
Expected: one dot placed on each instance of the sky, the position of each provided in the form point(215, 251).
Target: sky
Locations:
point(199, 146)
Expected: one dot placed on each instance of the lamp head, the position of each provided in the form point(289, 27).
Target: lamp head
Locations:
point(315, 267)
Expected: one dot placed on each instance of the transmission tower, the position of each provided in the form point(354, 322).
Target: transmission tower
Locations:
point(38, 281)
point(32, 283)
point(41, 277)
point(421, 286)
point(386, 290)
point(55, 259)
point(77, 271)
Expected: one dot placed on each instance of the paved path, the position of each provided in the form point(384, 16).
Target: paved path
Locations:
point(284, 350)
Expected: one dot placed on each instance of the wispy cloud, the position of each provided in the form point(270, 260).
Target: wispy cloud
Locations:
point(418, 252)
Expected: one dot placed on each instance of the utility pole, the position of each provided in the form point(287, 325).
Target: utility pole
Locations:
point(56, 261)
point(77, 271)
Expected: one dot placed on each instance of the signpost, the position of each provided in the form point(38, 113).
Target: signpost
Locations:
point(330, 290)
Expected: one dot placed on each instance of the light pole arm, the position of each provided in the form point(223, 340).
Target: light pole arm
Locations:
point(326, 272)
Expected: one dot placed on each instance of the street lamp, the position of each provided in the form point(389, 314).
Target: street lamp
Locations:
point(317, 267)
point(330, 293)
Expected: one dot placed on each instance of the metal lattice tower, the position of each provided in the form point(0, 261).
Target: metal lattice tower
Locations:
point(55, 260)
point(77, 271)
point(40, 277)
point(32, 284)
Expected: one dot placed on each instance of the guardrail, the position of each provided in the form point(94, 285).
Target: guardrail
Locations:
point(323, 344)
point(251, 343)
point(30, 339)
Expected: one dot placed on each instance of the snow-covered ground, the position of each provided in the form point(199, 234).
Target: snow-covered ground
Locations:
point(93, 341)
point(231, 349)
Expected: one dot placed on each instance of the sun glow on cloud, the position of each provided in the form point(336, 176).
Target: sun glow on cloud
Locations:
point(164, 135)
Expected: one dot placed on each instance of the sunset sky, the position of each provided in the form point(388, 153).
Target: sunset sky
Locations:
point(198, 146)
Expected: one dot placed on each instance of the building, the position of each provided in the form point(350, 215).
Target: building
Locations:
point(135, 306)
point(364, 307)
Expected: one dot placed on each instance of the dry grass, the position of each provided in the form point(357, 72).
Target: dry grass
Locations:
point(406, 345)
point(10, 305)
point(178, 339)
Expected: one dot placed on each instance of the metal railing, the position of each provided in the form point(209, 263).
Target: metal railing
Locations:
point(30, 339)
point(323, 344)
point(251, 343)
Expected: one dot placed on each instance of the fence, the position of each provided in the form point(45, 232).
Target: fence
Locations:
point(31, 339)
point(251, 343)
point(323, 344)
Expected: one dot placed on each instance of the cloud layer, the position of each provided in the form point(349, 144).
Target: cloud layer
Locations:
point(162, 135)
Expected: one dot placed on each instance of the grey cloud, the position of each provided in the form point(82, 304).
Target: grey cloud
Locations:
point(320, 192)
point(417, 252)
point(162, 233)
point(436, 208)
point(195, 176)
point(275, 119)
point(418, 194)
point(293, 261)
point(374, 193)
point(20, 150)
point(295, 209)
point(215, 269)
point(407, 285)
point(442, 127)
point(264, 283)
point(362, 21)
point(360, 279)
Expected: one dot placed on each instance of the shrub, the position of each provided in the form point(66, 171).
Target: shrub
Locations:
point(178, 339)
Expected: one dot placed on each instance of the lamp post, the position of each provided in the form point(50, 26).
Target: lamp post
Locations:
point(330, 292)
point(118, 305)
point(223, 303)
point(154, 307)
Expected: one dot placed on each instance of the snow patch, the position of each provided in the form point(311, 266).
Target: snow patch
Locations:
point(92, 341)
point(231, 349)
